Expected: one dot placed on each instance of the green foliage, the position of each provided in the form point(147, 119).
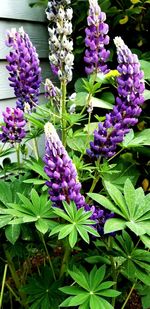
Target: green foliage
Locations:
point(132, 207)
point(136, 262)
point(42, 291)
point(37, 210)
point(89, 290)
point(79, 224)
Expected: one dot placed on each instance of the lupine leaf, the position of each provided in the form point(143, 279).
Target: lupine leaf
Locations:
point(71, 290)
point(113, 225)
point(79, 278)
point(12, 232)
point(73, 237)
point(79, 299)
point(117, 197)
point(105, 202)
point(109, 293)
point(129, 193)
point(95, 302)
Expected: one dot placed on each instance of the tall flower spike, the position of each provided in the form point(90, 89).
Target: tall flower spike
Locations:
point(23, 67)
point(13, 131)
point(96, 38)
point(60, 44)
point(127, 109)
point(63, 184)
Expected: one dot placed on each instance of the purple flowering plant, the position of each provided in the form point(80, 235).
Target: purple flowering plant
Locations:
point(74, 200)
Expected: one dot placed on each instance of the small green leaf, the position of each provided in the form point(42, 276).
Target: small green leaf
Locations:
point(100, 103)
point(73, 236)
point(146, 240)
point(12, 232)
point(105, 202)
point(129, 194)
point(117, 197)
point(42, 226)
point(79, 299)
point(109, 293)
point(113, 225)
point(4, 220)
point(71, 290)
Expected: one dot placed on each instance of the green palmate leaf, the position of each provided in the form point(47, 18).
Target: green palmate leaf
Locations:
point(95, 302)
point(137, 228)
point(97, 259)
point(105, 304)
point(42, 226)
point(145, 65)
point(66, 302)
point(146, 94)
point(145, 278)
point(79, 299)
point(137, 140)
point(128, 138)
point(117, 197)
point(113, 225)
point(93, 289)
point(73, 236)
point(25, 201)
point(5, 219)
point(81, 98)
point(104, 201)
point(109, 293)
point(146, 240)
point(77, 143)
point(79, 277)
point(78, 224)
point(98, 277)
point(35, 199)
point(105, 285)
point(12, 232)
point(129, 193)
point(100, 103)
point(71, 290)
point(83, 233)
point(35, 181)
point(62, 214)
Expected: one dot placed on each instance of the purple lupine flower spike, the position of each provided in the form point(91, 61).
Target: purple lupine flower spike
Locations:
point(13, 131)
point(23, 67)
point(60, 44)
point(96, 54)
point(127, 109)
point(63, 184)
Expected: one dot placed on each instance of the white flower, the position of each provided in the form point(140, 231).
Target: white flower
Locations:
point(69, 59)
point(67, 29)
point(69, 13)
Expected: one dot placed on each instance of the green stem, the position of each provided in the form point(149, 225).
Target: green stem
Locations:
point(15, 277)
point(35, 145)
point(126, 301)
point(114, 270)
point(18, 154)
point(65, 260)
point(63, 111)
point(49, 258)
point(13, 293)
point(3, 285)
point(35, 148)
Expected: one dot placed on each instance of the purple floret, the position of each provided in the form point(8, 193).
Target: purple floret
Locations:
point(130, 87)
point(96, 54)
point(23, 67)
point(13, 131)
